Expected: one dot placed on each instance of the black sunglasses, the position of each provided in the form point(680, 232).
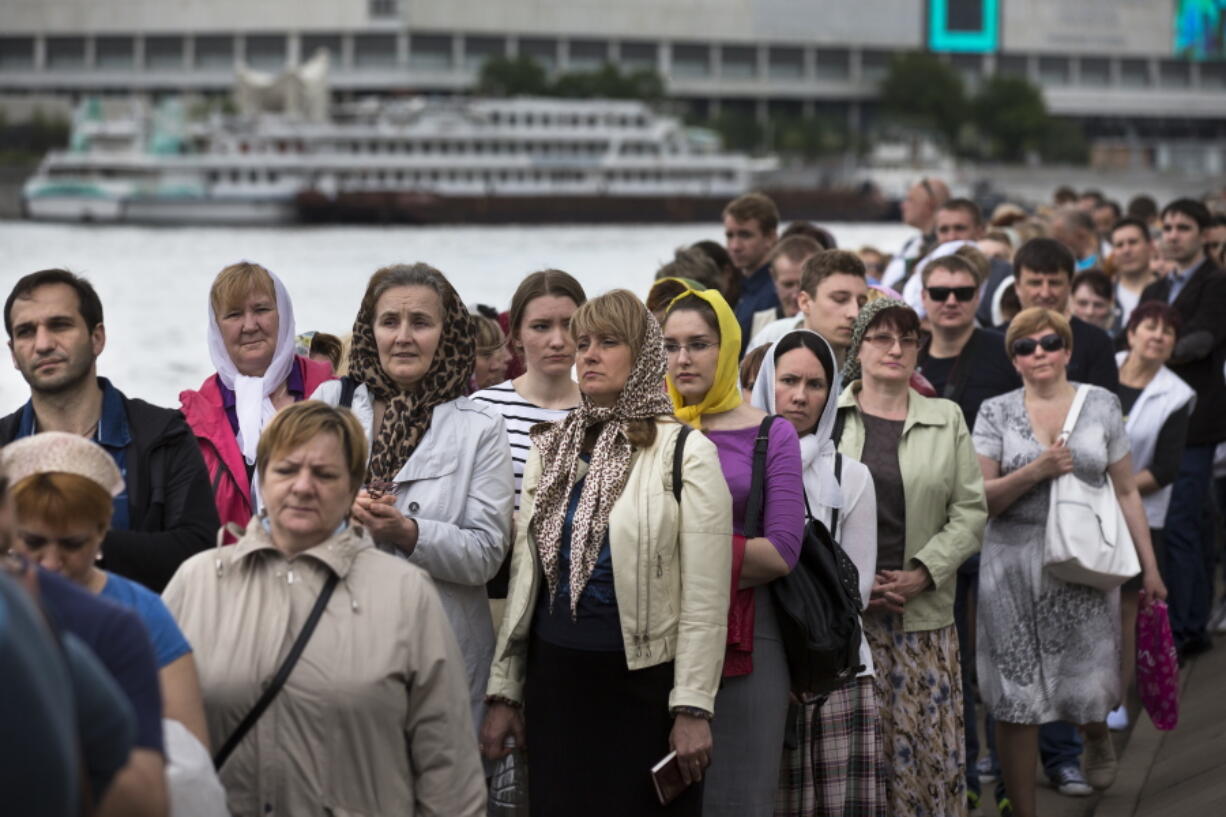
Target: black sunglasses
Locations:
point(1024, 347)
point(941, 294)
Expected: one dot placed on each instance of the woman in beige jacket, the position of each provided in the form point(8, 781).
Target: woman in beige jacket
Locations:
point(613, 638)
point(374, 718)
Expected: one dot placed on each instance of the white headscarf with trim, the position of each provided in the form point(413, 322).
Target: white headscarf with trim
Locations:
point(253, 402)
point(817, 450)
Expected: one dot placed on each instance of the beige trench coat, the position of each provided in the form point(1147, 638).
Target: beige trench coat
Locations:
point(373, 720)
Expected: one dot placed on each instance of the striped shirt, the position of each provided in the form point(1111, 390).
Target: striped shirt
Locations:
point(520, 417)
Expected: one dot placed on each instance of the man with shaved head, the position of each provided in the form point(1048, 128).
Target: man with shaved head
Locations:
point(919, 210)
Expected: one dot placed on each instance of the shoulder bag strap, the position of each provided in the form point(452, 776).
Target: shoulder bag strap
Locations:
point(834, 512)
point(278, 680)
point(1074, 411)
point(757, 482)
point(348, 387)
point(678, 454)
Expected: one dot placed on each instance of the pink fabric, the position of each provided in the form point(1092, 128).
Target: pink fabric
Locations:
point(222, 458)
point(738, 657)
point(1157, 664)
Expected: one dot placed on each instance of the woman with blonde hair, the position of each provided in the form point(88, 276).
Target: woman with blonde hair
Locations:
point(703, 340)
point(373, 716)
point(253, 346)
point(611, 649)
point(1048, 650)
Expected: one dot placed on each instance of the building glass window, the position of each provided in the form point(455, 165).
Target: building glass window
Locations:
point(374, 50)
point(65, 52)
point(1134, 73)
point(639, 56)
point(1095, 71)
point(786, 63)
point(588, 55)
point(738, 62)
point(874, 65)
point(115, 52)
point(384, 8)
point(833, 64)
point(16, 52)
point(266, 51)
point(545, 52)
point(479, 49)
point(214, 52)
point(313, 43)
point(1174, 74)
point(164, 52)
point(691, 61)
point(1213, 74)
point(1054, 70)
point(1012, 65)
point(430, 52)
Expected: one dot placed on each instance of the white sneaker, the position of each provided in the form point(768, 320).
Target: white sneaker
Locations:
point(1117, 721)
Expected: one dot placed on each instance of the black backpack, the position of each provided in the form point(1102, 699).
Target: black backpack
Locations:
point(818, 603)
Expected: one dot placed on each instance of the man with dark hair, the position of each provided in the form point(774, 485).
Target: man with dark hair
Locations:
point(819, 234)
point(1089, 199)
point(166, 513)
point(1131, 254)
point(1105, 214)
point(1075, 229)
point(751, 225)
point(1143, 208)
point(1215, 240)
point(958, 220)
point(1044, 278)
point(1197, 289)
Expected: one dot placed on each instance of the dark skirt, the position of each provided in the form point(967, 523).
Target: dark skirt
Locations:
point(595, 729)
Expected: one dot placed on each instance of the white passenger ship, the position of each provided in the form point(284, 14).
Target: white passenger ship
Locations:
point(524, 159)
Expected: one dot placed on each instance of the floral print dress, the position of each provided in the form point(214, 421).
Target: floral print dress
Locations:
point(1047, 650)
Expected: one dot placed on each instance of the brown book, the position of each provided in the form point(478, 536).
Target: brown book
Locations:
point(666, 775)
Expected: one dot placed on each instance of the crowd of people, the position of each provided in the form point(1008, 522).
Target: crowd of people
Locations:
point(383, 571)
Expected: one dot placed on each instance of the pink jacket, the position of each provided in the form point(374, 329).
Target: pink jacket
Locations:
point(227, 472)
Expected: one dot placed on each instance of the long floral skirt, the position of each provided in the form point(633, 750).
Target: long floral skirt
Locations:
point(919, 695)
point(837, 768)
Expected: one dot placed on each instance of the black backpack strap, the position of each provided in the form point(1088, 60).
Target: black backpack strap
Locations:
point(678, 454)
point(836, 433)
point(278, 680)
point(834, 512)
point(757, 482)
point(348, 387)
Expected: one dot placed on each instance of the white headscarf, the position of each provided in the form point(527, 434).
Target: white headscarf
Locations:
point(817, 450)
point(252, 402)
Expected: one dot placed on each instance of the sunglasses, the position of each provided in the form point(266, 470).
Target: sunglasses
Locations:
point(1024, 347)
point(941, 294)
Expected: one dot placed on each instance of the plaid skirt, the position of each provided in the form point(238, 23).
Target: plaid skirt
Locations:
point(919, 692)
point(836, 769)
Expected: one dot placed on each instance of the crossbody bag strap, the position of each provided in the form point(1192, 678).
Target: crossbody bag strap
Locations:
point(348, 387)
point(278, 680)
point(834, 512)
point(678, 456)
point(757, 481)
point(1074, 411)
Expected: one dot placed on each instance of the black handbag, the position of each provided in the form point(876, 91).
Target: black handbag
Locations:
point(818, 603)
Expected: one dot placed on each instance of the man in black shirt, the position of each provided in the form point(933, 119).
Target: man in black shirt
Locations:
point(1044, 278)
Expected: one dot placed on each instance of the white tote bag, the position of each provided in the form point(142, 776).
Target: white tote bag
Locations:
point(1087, 538)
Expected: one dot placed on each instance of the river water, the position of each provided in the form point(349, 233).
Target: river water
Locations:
point(154, 282)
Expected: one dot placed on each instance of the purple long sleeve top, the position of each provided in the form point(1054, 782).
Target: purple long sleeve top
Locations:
point(783, 515)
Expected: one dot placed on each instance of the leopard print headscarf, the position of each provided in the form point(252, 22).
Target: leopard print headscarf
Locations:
point(559, 445)
point(409, 412)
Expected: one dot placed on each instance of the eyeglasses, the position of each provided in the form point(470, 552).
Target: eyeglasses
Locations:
point(1024, 347)
point(885, 341)
point(695, 348)
point(941, 294)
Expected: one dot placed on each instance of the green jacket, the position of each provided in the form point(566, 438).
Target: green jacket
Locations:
point(946, 507)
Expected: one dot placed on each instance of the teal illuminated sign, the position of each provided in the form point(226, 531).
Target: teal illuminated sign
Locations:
point(971, 26)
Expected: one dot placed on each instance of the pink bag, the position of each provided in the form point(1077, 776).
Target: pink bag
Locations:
point(1157, 664)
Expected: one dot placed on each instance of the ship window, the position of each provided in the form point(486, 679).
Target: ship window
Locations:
point(16, 52)
point(253, 176)
point(272, 176)
point(214, 177)
point(234, 176)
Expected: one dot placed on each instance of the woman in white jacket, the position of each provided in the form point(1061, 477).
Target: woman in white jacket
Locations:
point(439, 486)
point(837, 765)
point(1157, 405)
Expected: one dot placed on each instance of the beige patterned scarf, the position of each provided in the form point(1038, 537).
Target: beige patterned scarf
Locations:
point(559, 444)
point(409, 412)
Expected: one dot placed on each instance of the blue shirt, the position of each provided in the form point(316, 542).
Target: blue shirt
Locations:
point(113, 434)
point(118, 637)
point(757, 293)
point(597, 623)
point(1179, 279)
point(168, 641)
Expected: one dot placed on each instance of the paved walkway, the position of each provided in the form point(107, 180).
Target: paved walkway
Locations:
point(1181, 773)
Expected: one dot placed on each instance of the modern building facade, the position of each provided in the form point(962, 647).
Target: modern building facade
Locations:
point(1139, 69)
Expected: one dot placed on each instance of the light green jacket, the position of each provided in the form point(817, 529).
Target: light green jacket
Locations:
point(946, 507)
point(671, 564)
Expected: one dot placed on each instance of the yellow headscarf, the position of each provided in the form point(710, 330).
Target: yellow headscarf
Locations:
point(725, 392)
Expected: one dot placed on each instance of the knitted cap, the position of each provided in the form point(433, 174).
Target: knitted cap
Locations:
point(62, 453)
point(851, 367)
